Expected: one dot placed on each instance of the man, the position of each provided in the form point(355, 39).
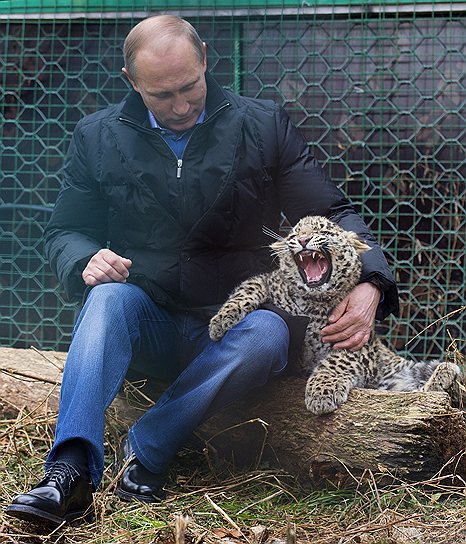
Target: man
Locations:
point(160, 215)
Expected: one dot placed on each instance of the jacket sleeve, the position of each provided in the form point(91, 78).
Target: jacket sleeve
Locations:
point(305, 189)
point(77, 227)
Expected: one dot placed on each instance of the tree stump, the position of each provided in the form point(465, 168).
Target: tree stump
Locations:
point(412, 436)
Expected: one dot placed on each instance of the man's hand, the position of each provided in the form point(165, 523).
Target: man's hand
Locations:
point(351, 322)
point(105, 267)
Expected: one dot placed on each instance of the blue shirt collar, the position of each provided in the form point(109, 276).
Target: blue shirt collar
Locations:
point(154, 124)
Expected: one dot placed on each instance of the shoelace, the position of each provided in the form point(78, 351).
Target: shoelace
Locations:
point(61, 472)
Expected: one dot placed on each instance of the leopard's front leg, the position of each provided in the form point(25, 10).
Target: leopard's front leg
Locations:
point(246, 298)
point(330, 383)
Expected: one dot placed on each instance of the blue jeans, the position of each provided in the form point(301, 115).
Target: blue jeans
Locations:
point(121, 326)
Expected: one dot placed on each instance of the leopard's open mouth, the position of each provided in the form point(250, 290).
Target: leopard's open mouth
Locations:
point(314, 266)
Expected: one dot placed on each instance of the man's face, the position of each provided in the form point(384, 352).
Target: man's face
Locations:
point(171, 82)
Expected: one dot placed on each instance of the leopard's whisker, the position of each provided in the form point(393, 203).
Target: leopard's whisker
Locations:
point(280, 250)
point(268, 247)
point(279, 253)
point(271, 233)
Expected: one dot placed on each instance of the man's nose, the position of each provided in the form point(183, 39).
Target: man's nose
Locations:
point(180, 106)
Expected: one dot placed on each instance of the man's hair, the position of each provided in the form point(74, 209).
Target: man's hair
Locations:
point(158, 27)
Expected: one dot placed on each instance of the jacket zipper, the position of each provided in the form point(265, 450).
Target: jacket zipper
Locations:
point(179, 162)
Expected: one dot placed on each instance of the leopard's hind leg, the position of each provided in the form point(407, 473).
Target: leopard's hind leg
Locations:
point(398, 374)
point(448, 377)
point(395, 373)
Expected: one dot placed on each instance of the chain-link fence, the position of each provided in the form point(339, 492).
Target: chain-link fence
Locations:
point(378, 90)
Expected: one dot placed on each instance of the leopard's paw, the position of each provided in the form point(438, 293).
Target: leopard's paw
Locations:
point(320, 405)
point(324, 399)
point(443, 378)
point(221, 323)
point(449, 377)
point(216, 328)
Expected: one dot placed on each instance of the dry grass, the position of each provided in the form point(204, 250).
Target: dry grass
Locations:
point(205, 506)
point(207, 503)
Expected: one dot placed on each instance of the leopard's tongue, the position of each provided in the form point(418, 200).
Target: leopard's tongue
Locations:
point(315, 265)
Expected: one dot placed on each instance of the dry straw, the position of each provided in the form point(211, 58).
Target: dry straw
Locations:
point(212, 504)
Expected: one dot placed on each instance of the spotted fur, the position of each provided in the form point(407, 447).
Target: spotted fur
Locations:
point(319, 264)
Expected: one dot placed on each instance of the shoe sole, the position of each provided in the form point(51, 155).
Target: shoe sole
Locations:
point(126, 496)
point(35, 515)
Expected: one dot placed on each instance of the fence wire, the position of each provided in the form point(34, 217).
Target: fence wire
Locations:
point(378, 90)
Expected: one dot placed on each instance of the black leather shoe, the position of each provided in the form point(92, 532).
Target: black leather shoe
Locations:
point(62, 495)
point(136, 482)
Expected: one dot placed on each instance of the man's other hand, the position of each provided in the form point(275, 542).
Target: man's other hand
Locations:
point(106, 267)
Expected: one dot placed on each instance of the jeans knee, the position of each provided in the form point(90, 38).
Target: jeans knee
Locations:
point(111, 302)
point(107, 291)
point(267, 323)
point(269, 335)
point(113, 296)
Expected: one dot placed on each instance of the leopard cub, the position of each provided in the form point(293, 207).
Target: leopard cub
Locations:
point(319, 264)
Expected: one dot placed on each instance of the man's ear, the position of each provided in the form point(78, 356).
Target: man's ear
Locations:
point(129, 78)
point(205, 55)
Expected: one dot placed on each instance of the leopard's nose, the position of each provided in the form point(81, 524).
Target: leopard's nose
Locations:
point(303, 242)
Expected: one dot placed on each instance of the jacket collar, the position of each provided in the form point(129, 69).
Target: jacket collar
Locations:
point(134, 108)
point(216, 97)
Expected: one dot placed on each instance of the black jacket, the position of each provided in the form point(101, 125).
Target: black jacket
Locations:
point(192, 229)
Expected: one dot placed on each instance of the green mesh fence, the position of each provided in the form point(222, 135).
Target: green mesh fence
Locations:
point(378, 89)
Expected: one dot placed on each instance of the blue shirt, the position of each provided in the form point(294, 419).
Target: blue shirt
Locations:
point(177, 141)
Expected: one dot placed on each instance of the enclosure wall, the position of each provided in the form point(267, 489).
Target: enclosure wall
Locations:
point(377, 89)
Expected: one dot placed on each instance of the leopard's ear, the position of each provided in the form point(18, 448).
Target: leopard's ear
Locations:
point(359, 245)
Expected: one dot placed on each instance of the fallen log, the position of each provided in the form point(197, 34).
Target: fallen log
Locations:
point(406, 435)
point(413, 436)
point(30, 380)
